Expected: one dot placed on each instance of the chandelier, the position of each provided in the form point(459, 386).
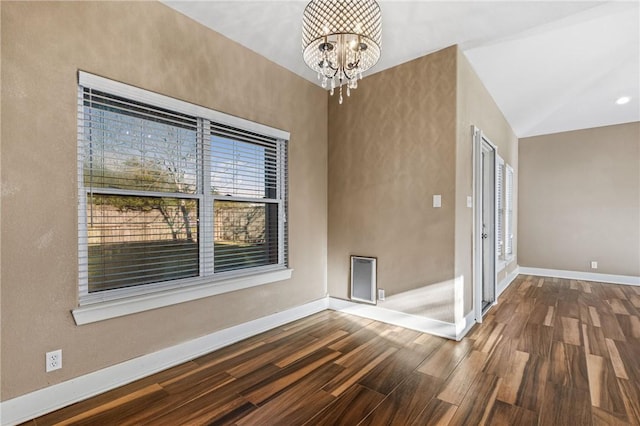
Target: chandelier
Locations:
point(341, 40)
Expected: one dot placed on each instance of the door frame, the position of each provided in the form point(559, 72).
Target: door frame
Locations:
point(478, 139)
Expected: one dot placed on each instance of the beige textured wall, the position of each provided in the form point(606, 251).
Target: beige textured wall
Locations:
point(151, 46)
point(1, 192)
point(475, 106)
point(391, 148)
point(580, 200)
point(405, 136)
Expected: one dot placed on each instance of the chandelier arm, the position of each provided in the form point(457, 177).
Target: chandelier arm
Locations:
point(330, 76)
point(347, 75)
point(353, 65)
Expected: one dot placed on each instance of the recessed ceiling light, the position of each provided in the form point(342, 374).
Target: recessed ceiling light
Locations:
point(623, 100)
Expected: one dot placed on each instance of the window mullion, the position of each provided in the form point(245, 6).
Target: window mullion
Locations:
point(141, 193)
point(244, 199)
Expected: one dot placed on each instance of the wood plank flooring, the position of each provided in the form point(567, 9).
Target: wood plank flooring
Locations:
point(552, 352)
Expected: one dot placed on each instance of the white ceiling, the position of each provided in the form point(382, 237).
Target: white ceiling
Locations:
point(550, 66)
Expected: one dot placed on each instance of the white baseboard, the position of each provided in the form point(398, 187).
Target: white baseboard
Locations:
point(413, 322)
point(469, 321)
point(502, 285)
point(584, 276)
point(43, 401)
point(34, 404)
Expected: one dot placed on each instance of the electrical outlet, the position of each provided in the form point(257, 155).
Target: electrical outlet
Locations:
point(54, 360)
point(380, 294)
point(594, 264)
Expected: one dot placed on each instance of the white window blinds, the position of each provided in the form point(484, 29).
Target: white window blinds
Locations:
point(167, 196)
point(509, 211)
point(499, 206)
point(248, 183)
point(140, 168)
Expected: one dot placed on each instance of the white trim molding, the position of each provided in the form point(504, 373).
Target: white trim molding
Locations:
point(34, 404)
point(448, 330)
point(584, 276)
point(116, 308)
point(43, 401)
point(117, 88)
point(502, 285)
point(465, 326)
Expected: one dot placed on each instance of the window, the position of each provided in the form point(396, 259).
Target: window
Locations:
point(246, 187)
point(504, 211)
point(172, 193)
point(499, 207)
point(508, 246)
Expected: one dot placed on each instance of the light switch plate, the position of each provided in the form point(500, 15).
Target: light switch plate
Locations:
point(469, 202)
point(437, 201)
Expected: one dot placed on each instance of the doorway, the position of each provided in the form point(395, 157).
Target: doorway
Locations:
point(484, 238)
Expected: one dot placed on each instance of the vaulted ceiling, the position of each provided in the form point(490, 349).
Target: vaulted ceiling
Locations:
point(550, 66)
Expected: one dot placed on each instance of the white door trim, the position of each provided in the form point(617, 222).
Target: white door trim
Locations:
point(477, 140)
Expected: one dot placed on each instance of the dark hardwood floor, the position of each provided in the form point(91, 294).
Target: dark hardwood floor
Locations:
point(552, 352)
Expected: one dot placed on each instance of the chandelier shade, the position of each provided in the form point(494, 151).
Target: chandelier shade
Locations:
point(340, 40)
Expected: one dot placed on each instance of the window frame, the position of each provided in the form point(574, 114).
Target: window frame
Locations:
point(208, 282)
point(508, 204)
point(500, 211)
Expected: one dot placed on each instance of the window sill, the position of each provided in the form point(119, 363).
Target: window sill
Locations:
point(131, 305)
